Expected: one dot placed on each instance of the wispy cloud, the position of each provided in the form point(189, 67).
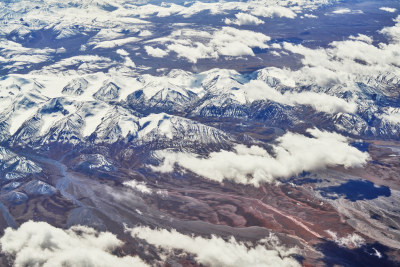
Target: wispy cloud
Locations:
point(215, 251)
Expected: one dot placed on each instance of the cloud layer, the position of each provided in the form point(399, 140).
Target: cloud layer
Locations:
point(40, 244)
point(293, 154)
point(215, 251)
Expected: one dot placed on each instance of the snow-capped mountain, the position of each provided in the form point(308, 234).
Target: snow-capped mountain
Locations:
point(93, 108)
point(140, 132)
point(163, 129)
point(15, 167)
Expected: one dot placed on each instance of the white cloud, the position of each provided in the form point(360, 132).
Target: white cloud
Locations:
point(244, 19)
point(258, 90)
point(233, 42)
point(322, 102)
point(391, 115)
point(362, 37)
point(193, 52)
point(115, 43)
point(155, 52)
point(235, 49)
point(394, 34)
point(40, 244)
point(310, 16)
point(293, 154)
point(145, 33)
point(342, 11)
point(138, 186)
point(107, 34)
point(83, 59)
point(273, 11)
point(388, 9)
point(275, 53)
point(122, 52)
point(227, 41)
point(215, 251)
point(350, 241)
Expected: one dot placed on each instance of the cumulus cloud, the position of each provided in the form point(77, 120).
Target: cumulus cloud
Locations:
point(193, 52)
point(244, 19)
point(274, 11)
point(394, 34)
point(322, 102)
point(310, 16)
point(155, 52)
point(350, 241)
point(388, 9)
point(138, 186)
point(257, 90)
point(122, 52)
point(145, 33)
point(227, 41)
point(40, 244)
point(292, 154)
point(362, 37)
point(215, 251)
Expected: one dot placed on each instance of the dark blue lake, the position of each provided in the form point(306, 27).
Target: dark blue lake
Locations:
point(373, 255)
point(354, 190)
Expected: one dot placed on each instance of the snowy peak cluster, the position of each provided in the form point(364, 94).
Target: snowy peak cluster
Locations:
point(38, 109)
